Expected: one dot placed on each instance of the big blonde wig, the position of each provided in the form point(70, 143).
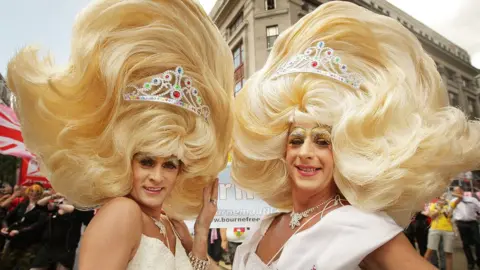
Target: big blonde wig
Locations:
point(75, 120)
point(396, 142)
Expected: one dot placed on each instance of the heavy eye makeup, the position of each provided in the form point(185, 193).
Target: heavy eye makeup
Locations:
point(148, 161)
point(297, 136)
point(172, 163)
point(319, 136)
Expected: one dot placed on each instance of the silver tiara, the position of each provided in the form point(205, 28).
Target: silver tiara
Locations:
point(171, 87)
point(321, 60)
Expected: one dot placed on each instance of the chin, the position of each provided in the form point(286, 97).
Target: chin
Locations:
point(310, 185)
point(146, 201)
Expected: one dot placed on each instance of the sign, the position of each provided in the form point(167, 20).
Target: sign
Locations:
point(236, 207)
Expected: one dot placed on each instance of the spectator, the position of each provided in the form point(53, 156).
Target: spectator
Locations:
point(23, 227)
point(234, 238)
point(441, 228)
point(215, 250)
point(465, 216)
point(61, 235)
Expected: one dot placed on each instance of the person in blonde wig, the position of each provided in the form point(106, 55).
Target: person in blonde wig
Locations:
point(139, 122)
point(347, 129)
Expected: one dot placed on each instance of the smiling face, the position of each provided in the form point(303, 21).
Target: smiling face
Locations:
point(153, 179)
point(309, 158)
point(34, 193)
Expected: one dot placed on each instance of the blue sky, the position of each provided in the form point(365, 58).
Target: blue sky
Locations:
point(48, 23)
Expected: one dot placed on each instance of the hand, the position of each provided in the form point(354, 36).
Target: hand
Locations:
point(225, 245)
point(209, 209)
point(17, 191)
point(57, 196)
point(65, 209)
point(4, 231)
point(13, 233)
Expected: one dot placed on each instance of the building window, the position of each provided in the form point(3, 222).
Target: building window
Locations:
point(238, 86)
point(472, 107)
point(450, 74)
point(453, 99)
point(467, 83)
point(238, 56)
point(236, 23)
point(270, 4)
point(272, 34)
point(238, 64)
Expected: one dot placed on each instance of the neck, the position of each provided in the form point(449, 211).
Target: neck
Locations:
point(155, 213)
point(302, 202)
point(33, 201)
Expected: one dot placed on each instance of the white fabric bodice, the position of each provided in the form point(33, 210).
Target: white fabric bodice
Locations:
point(339, 241)
point(153, 254)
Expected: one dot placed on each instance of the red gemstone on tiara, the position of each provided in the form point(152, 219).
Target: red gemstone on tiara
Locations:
point(176, 94)
point(314, 64)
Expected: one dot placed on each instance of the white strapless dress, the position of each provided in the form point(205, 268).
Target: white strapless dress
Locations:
point(153, 254)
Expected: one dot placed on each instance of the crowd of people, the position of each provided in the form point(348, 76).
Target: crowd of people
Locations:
point(433, 230)
point(40, 229)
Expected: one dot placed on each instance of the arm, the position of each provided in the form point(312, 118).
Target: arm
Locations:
point(6, 203)
point(42, 218)
point(223, 235)
point(111, 239)
point(432, 212)
point(45, 200)
point(396, 254)
point(187, 241)
point(4, 197)
point(198, 246)
point(10, 215)
point(477, 204)
point(455, 202)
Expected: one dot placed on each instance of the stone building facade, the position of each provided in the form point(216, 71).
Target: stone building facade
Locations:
point(251, 26)
point(4, 92)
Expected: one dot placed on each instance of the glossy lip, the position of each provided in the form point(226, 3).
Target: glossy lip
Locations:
point(159, 189)
point(307, 174)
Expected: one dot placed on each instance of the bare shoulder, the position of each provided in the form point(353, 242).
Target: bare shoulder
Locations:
point(114, 231)
point(397, 253)
point(120, 206)
point(121, 213)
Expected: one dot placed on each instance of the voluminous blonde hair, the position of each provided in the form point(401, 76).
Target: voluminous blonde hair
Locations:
point(396, 142)
point(85, 134)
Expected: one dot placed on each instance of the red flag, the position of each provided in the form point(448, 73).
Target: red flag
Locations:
point(11, 140)
point(11, 143)
point(30, 174)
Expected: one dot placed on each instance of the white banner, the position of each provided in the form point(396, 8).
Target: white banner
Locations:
point(236, 207)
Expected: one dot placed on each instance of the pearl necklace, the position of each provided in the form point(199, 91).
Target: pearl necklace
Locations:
point(297, 217)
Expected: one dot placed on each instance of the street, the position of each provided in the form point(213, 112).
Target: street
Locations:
point(459, 260)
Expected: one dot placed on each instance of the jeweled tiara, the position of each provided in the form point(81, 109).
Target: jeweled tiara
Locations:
point(321, 60)
point(172, 87)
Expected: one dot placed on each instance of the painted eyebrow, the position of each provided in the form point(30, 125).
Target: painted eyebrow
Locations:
point(319, 126)
point(174, 160)
point(297, 131)
point(140, 155)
